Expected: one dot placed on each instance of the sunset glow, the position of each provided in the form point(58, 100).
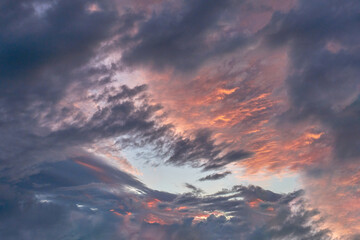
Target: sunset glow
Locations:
point(179, 119)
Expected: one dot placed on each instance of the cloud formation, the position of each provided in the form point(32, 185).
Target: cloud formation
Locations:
point(215, 176)
point(261, 86)
point(87, 199)
point(181, 37)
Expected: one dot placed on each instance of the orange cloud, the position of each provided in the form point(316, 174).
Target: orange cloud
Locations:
point(151, 218)
point(270, 209)
point(203, 216)
point(241, 98)
point(255, 203)
point(152, 203)
point(100, 173)
point(92, 167)
point(239, 102)
point(181, 208)
point(336, 195)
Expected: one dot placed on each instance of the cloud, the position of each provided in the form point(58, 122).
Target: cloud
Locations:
point(86, 198)
point(192, 151)
point(323, 86)
point(323, 91)
point(67, 200)
point(215, 176)
point(45, 63)
point(63, 94)
point(193, 188)
point(183, 37)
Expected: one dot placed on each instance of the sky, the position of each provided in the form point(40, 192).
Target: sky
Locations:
point(179, 119)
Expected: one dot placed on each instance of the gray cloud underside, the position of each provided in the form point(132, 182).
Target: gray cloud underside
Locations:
point(67, 200)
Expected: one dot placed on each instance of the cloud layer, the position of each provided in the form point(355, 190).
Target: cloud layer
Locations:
point(77, 199)
point(219, 86)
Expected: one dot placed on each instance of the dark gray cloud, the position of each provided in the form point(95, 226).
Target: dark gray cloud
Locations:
point(215, 176)
point(203, 146)
point(183, 36)
point(323, 89)
point(40, 51)
point(45, 51)
point(71, 200)
point(193, 188)
point(87, 199)
point(324, 84)
point(30, 146)
point(271, 219)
